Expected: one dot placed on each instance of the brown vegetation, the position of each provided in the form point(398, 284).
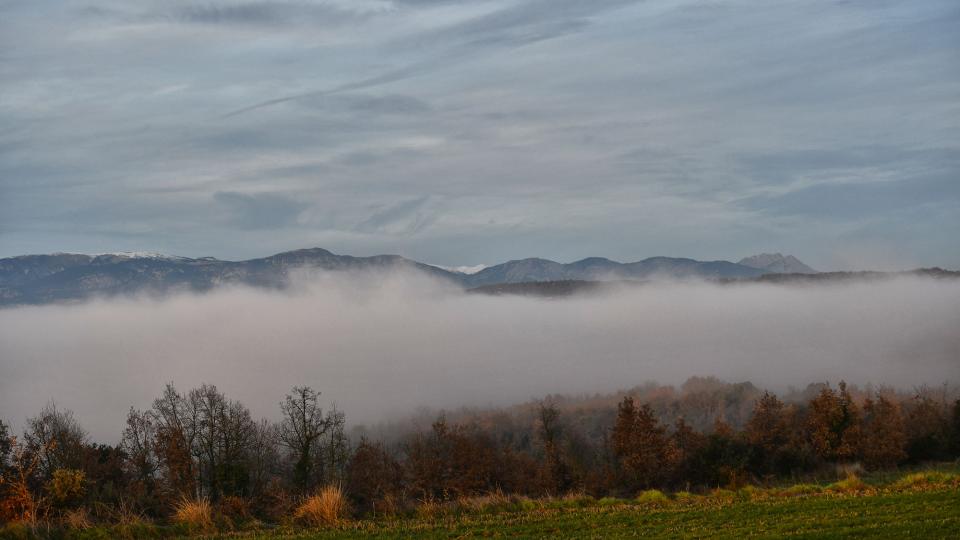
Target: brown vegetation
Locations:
point(199, 459)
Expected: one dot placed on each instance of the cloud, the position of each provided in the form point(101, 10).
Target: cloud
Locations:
point(260, 210)
point(567, 128)
point(382, 345)
point(405, 217)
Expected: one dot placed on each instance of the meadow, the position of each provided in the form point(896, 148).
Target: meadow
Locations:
point(923, 504)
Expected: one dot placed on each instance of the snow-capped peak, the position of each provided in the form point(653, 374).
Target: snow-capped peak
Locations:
point(463, 269)
point(141, 255)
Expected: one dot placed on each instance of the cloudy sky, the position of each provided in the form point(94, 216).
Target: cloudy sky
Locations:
point(468, 132)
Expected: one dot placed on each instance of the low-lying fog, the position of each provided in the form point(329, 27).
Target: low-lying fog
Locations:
point(382, 346)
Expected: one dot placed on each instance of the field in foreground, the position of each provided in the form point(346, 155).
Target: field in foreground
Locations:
point(924, 504)
point(916, 514)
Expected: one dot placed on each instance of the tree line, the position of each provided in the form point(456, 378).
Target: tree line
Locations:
point(202, 445)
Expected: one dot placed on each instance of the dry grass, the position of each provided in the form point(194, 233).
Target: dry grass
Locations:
point(493, 501)
point(798, 490)
point(77, 519)
point(197, 514)
point(430, 508)
point(327, 507)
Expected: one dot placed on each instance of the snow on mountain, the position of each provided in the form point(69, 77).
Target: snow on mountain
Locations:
point(142, 255)
point(462, 269)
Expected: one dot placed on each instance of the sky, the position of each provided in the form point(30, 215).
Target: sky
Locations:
point(466, 132)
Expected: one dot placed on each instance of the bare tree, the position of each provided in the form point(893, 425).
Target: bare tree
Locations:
point(300, 430)
point(138, 444)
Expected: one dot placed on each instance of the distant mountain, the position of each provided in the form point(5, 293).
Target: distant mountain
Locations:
point(600, 269)
point(39, 279)
point(777, 264)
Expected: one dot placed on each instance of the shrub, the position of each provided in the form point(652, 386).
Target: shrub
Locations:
point(684, 496)
point(609, 501)
point(327, 507)
point(66, 488)
point(850, 484)
point(235, 509)
point(577, 499)
point(77, 519)
point(494, 501)
point(801, 489)
point(926, 479)
point(723, 495)
point(429, 508)
point(527, 504)
point(195, 514)
point(654, 496)
point(751, 493)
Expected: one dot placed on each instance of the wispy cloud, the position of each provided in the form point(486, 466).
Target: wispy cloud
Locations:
point(558, 127)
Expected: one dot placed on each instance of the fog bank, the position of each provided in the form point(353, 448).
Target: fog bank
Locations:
point(383, 345)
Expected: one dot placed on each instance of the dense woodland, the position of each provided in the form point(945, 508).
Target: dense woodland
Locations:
point(200, 445)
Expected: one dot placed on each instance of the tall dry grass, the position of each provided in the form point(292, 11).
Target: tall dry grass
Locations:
point(195, 513)
point(327, 507)
point(78, 519)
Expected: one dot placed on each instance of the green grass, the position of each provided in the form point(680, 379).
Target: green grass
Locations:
point(924, 514)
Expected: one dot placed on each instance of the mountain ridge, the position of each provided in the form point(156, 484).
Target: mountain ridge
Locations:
point(57, 277)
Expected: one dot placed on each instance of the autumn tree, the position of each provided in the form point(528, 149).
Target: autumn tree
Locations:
point(373, 477)
point(6, 445)
point(645, 452)
point(688, 444)
point(139, 448)
point(18, 500)
point(955, 428)
point(768, 431)
point(833, 424)
point(884, 434)
point(427, 461)
point(928, 428)
point(555, 473)
point(174, 431)
point(724, 457)
point(57, 439)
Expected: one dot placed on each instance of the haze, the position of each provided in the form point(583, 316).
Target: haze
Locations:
point(382, 345)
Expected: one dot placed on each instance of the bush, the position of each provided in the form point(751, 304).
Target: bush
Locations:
point(196, 514)
point(67, 487)
point(684, 496)
point(235, 509)
point(801, 489)
point(654, 496)
point(926, 480)
point(723, 495)
point(751, 493)
point(327, 507)
point(77, 519)
point(495, 501)
point(850, 484)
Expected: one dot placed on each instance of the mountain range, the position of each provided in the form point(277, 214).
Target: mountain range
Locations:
point(39, 279)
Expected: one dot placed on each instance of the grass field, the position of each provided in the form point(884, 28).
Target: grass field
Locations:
point(924, 514)
point(924, 504)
